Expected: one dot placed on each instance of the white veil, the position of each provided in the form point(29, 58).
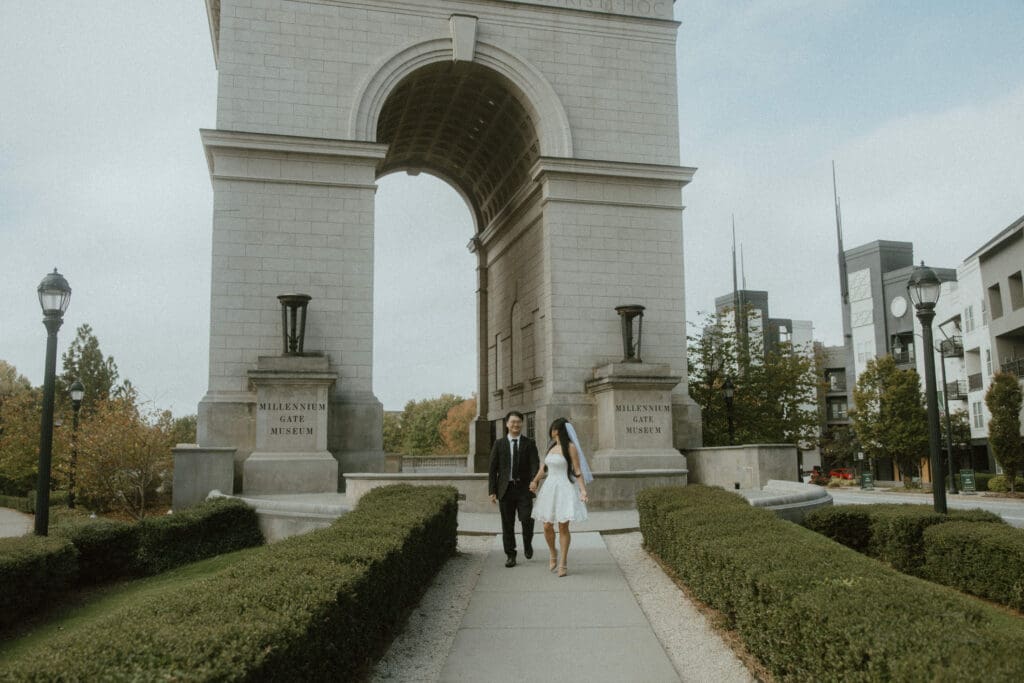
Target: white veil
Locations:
point(588, 476)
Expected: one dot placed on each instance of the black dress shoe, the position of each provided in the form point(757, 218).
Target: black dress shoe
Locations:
point(528, 552)
point(511, 561)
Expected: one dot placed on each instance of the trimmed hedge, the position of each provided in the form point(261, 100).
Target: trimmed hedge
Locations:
point(981, 559)
point(893, 533)
point(322, 606)
point(813, 610)
point(107, 550)
point(27, 503)
point(213, 527)
point(32, 570)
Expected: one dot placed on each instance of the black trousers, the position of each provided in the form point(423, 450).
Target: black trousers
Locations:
point(517, 500)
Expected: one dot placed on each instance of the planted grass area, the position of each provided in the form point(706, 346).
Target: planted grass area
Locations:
point(82, 610)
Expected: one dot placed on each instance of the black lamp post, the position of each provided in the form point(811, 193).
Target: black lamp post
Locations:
point(949, 428)
point(77, 393)
point(728, 391)
point(54, 296)
point(923, 289)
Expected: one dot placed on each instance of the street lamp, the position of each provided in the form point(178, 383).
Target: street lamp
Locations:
point(54, 296)
point(923, 289)
point(77, 393)
point(728, 391)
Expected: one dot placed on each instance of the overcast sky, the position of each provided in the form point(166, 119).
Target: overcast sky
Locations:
point(102, 173)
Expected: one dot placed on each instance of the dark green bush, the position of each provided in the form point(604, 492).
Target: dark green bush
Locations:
point(846, 524)
point(27, 503)
point(33, 571)
point(813, 610)
point(316, 607)
point(982, 559)
point(210, 528)
point(106, 550)
point(1001, 484)
point(893, 533)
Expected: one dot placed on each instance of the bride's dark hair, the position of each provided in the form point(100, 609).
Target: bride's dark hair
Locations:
point(564, 441)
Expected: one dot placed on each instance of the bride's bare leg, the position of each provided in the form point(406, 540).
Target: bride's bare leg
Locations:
point(563, 541)
point(549, 536)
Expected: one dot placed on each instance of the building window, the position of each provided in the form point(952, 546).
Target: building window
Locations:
point(837, 409)
point(865, 351)
point(969, 319)
point(995, 301)
point(1016, 290)
point(836, 380)
point(977, 419)
point(988, 362)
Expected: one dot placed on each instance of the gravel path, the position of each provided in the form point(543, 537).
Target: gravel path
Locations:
point(696, 651)
point(419, 652)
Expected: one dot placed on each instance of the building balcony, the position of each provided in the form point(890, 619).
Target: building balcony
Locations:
point(957, 391)
point(974, 382)
point(903, 357)
point(952, 348)
point(1015, 366)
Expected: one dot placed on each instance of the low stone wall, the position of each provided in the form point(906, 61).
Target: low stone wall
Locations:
point(749, 466)
point(197, 471)
point(608, 491)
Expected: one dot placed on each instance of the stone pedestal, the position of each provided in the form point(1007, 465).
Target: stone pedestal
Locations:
point(292, 400)
point(634, 418)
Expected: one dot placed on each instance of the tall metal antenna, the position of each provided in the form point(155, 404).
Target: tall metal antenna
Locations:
point(843, 284)
point(735, 282)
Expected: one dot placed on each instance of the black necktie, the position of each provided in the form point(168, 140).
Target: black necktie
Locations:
point(515, 458)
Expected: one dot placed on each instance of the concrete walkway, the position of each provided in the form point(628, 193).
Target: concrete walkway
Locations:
point(527, 624)
point(14, 523)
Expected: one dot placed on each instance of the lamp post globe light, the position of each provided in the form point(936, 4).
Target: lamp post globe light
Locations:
point(728, 391)
point(77, 393)
point(923, 289)
point(54, 296)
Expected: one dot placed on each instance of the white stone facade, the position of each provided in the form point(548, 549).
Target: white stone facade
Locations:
point(574, 182)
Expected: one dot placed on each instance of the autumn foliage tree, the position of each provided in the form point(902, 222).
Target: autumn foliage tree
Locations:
point(454, 427)
point(19, 432)
point(124, 454)
point(1004, 400)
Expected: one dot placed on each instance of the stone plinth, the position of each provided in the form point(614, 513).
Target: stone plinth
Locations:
point(292, 400)
point(197, 471)
point(745, 467)
point(634, 418)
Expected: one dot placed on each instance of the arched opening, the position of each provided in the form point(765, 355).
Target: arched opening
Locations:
point(424, 336)
point(466, 124)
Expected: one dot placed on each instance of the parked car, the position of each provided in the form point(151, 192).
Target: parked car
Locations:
point(842, 473)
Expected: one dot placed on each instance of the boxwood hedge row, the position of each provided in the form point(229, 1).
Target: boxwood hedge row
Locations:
point(813, 610)
point(982, 559)
point(893, 533)
point(32, 569)
point(321, 606)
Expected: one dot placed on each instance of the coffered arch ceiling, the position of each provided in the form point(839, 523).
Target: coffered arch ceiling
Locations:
point(464, 123)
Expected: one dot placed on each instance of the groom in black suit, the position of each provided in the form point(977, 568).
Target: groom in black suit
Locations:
point(514, 463)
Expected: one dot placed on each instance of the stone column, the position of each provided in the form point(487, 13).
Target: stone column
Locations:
point(480, 430)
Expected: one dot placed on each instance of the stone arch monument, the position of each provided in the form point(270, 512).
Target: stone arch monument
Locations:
point(557, 122)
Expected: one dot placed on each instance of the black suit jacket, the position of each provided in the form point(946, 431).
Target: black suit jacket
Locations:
point(501, 463)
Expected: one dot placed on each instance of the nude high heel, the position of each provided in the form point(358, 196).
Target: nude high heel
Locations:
point(562, 571)
point(552, 562)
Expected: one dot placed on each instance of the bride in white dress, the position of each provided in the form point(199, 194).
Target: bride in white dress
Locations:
point(559, 502)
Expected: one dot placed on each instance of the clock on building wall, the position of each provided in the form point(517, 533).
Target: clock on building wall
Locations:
point(898, 307)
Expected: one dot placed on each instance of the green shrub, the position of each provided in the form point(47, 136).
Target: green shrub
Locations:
point(846, 524)
point(1001, 483)
point(33, 571)
point(982, 559)
point(321, 606)
point(893, 533)
point(106, 549)
point(813, 610)
point(213, 527)
point(27, 503)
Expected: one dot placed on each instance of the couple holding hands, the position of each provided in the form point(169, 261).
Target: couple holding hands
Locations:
point(514, 480)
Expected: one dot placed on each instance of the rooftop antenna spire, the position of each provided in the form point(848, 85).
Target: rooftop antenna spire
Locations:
point(843, 284)
point(735, 282)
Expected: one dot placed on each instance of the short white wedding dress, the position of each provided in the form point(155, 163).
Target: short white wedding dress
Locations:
point(559, 498)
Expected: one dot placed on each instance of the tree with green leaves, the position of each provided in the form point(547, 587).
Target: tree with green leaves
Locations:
point(421, 425)
point(776, 390)
point(85, 361)
point(840, 448)
point(19, 431)
point(889, 416)
point(1004, 400)
point(960, 427)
